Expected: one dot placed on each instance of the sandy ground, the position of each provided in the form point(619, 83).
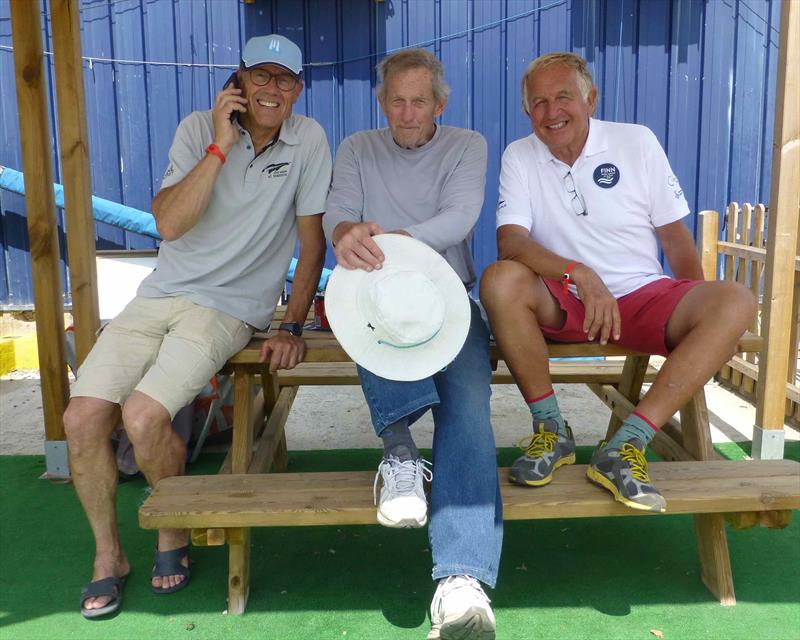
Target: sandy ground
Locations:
point(337, 417)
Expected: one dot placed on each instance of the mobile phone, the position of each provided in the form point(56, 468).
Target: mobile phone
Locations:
point(232, 81)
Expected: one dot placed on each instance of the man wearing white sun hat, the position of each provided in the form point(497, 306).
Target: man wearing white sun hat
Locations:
point(399, 307)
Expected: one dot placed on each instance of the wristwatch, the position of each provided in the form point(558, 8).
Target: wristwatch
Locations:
point(295, 328)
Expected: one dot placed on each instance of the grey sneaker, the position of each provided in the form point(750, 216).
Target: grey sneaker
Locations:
point(624, 473)
point(545, 451)
point(460, 610)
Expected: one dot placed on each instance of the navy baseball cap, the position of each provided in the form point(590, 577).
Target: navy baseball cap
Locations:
point(272, 49)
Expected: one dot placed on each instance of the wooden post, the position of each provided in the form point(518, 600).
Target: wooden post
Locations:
point(709, 236)
point(65, 19)
point(34, 127)
point(781, 241)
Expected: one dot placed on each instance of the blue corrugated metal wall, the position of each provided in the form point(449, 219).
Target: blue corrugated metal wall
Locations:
point(701, 74)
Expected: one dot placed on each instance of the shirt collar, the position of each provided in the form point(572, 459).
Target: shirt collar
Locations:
point(596, 142)
point(287, 133)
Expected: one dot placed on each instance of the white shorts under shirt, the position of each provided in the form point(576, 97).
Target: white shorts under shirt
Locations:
point(628, 188)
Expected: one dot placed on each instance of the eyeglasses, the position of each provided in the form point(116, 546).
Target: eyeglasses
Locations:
point(577, 202)
point(262, 77)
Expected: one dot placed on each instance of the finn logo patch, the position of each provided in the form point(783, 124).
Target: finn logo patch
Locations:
point(606, 175)
point(277, 170)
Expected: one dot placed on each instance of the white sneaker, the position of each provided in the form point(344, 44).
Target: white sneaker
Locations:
point(402, 502)
point(460, 611)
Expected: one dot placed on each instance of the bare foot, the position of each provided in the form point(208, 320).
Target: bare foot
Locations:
point(105, 567)
point(169, 539)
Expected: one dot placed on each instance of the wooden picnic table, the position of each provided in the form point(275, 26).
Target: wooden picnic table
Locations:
point(222, 508)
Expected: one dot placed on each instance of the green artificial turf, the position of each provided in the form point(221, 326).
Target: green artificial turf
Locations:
point(559, 579)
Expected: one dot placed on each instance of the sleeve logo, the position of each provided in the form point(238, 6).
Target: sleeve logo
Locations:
point(606, 175)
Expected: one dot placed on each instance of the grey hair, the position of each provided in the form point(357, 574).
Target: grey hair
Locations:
point(413, 59)
point(566, 58)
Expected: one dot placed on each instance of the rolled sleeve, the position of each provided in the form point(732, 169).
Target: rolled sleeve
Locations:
point(667, 201)
point(187, 149)
point(514, 203)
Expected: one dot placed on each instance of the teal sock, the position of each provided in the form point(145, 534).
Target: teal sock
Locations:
point(546, 408)
point(635, 426)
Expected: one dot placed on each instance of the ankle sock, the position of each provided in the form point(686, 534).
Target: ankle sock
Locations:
point(635, 426)
point(546, 408)
point(397, 441)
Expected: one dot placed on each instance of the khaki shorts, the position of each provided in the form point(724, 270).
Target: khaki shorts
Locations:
point(166, 348)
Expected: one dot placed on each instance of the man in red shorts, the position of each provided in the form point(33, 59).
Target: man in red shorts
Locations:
point(584, 205)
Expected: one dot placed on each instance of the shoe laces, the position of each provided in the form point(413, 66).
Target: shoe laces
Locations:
point(400, 476)
point(454, 583)
point(635, 458)
point(538, 443)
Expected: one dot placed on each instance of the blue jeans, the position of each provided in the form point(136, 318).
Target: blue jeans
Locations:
point(466, 510)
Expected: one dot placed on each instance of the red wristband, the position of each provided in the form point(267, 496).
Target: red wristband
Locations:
point(566, 279)
point(215, 150)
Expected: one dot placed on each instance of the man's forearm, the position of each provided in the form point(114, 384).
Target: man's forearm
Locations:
point(178, 208)
point(306, 278)
point(527, 251)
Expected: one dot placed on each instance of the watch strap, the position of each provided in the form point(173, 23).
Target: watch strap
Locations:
point(295, 328)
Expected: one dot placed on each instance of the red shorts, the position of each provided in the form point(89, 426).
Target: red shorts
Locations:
point(644, 313)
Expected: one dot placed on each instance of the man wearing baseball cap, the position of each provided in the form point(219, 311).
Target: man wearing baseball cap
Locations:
point(245, 181)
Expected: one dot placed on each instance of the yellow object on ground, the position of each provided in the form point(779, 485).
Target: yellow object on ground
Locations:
point(18, 352)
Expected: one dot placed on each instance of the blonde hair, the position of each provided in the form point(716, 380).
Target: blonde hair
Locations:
point(566, 58)
point(413, 59)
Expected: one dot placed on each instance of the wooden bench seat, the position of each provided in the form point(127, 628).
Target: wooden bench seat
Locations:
point(337, 498)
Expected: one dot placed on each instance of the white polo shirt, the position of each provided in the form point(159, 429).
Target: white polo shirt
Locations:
point(236, 256)
point(627, 185)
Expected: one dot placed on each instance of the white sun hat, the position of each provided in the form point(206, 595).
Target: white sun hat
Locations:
point(404, 321)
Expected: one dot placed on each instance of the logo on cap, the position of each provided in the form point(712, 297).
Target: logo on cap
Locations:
point(274, 45)
point(606, 175)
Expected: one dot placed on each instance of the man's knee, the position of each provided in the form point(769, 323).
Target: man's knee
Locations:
point(506, 282)
point(743, 302)
point(143, 417)
point(88, 420)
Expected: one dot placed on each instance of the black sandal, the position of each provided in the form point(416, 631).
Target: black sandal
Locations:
point(111, 586)
point(168, 563)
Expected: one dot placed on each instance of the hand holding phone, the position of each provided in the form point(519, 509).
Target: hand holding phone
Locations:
point(227, 106)
point(232, 83)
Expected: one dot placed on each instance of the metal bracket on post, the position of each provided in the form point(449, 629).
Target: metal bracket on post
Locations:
point(55, 453)
point(767, 444)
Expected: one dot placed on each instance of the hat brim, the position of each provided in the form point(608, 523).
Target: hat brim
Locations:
point(351, 328)
point(296, 74)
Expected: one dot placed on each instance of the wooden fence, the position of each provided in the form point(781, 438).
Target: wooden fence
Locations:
point(742, 259)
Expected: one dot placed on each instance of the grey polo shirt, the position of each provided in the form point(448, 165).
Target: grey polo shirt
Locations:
point(434, 192)
point(236, 257)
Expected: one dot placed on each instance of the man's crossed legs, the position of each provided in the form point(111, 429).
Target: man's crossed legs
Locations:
point(695, 324)
point(149, 362)
point(466, 525)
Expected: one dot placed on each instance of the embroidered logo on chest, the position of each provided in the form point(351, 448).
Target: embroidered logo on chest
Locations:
point(276, 170)
point(606, 175)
